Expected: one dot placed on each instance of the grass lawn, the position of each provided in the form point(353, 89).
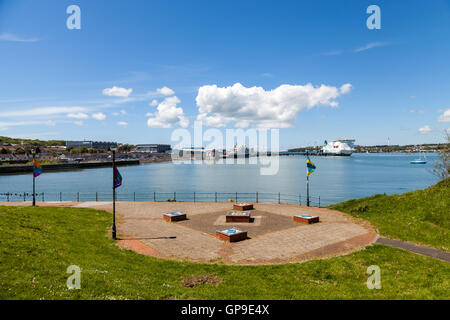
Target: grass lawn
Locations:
point(421, 216)
point(38, 244)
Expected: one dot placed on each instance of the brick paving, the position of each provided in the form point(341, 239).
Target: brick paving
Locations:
point(142, 228)
point(263, 222)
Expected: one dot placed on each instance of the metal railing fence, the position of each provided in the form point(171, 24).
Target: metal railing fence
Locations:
point(163, 196)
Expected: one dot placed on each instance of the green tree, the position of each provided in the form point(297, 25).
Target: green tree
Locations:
point(442, 166)
point(126, 147)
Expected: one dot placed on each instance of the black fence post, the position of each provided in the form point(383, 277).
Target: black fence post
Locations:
point(216, 196)
point(60, 196)
point(257, 197)
point(174, 196)
point(43, 199)
point(154, 196)
point(96, 196)
point(78, 197)
point(319, 201)
point(279, 198)
point(7, 196)
point(134, 196)
point(299, 199)
point(236, 197)
point(194, 196)
point(24, 196)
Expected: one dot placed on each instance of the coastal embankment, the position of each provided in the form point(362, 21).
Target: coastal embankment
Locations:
point(66, 166)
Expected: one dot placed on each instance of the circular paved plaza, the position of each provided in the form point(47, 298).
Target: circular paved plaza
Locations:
point(273, 236)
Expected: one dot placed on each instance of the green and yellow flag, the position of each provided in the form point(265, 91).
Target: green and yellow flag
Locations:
point(310, 167)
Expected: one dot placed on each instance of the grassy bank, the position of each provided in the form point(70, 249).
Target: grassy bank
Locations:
point(421, 216)
point(38, 244)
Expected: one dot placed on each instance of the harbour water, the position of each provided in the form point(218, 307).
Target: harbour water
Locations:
point(335, 179)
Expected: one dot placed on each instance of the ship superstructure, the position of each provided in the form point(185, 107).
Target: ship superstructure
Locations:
point(341, 147)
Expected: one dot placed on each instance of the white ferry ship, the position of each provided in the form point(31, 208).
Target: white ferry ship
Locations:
point(341, 147)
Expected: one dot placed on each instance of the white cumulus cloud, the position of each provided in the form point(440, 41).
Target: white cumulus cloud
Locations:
point(122, 123)
point(445, 116)
point(165, 91)
point(117, 92)
point(154, 103)
point(79, 115)
point(264, 108)
point(168, 115)
point(346, 88)
point(99, 116)
point(425, 130)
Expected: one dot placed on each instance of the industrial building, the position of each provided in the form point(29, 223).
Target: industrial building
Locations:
point(153, 148)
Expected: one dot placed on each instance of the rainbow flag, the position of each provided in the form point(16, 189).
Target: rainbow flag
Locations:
point(37, 168)
point(117, 178)
point(310, 167)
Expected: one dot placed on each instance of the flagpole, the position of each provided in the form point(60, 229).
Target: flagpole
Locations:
point(307, 183)
point(34, 180)
point(114, 195)
point(307, 190)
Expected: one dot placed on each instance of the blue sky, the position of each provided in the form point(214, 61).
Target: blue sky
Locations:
point(74, 84)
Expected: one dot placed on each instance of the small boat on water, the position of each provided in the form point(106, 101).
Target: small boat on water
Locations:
point(418, 161)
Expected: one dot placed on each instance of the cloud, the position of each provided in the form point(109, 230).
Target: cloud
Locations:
point(117, 92)
point(270, 109)
point(425, 130)
point(445, 116)
point(122, 123)
point(15, 38)
point(44, 111)
point(371, 46)
point(154, 103)
point(165, 91)
point(168, 114)
point(121, 112)
point(99, 116)
point(6, 125)
point(79, 115)
point(346, 88)
point(78, 123)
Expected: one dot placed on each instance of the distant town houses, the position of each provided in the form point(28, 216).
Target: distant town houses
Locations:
point(16, 151)
point(432, 148)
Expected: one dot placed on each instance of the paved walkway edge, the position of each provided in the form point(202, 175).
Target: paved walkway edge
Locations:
point(423, 250)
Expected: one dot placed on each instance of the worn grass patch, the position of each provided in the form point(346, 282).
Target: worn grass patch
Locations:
point(193, 281)
point(421, 216)
point(38, 244)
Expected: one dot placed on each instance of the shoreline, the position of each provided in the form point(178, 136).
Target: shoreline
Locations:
point(7, 170)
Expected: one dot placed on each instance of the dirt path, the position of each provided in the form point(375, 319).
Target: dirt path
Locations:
point(415, 248)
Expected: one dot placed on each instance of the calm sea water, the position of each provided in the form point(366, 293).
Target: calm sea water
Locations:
point(336, 179)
